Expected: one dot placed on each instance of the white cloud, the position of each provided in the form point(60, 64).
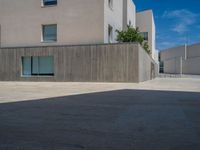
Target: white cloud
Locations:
point(183, 19)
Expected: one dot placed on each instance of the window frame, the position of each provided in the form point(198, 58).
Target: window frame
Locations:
point(50, 5)
point(32, 74)
point(43, 34)
point(146, 38)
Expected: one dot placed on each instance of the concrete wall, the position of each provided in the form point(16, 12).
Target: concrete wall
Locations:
point(86, 63)
point(172, 53)
point(191, 66)
point(193, 50)
point(145, 22)
point(173, 66)
point(182, 59)
point(148, 68)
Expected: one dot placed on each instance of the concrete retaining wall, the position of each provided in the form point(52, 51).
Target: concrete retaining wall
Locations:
point(86, 63)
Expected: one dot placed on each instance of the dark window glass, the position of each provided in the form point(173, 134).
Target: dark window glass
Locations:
point(49, 33)
point(145, 35)
point(110, 34)
point(49, 2)
point(110, 3)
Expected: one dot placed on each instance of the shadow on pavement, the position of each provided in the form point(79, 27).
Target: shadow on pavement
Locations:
point(114, 120)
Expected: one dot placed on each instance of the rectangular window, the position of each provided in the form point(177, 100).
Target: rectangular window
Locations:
point(38, 66)
point(49, 2)
point(49, 33)
point(110, 34)
point(145, 35)
point(110, 4)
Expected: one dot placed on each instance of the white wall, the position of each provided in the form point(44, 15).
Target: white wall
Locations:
point(131, 13)
point(113, 17)
point(145, 22)
point(78, 22)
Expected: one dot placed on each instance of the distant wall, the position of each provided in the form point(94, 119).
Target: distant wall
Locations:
point(173, 66)
point(86, 63)
point(191, 66)
point(182, 59)
point(172, 53)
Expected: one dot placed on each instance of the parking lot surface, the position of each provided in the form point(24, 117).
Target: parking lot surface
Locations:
point(161, 114)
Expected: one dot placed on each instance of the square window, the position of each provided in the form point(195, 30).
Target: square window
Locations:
point(49, 33)
point(49, 2)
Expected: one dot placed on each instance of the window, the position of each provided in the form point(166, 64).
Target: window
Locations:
point(49, 33)
point(110, 3)
point(129, 23)
point(49, 2)
point(161, 67)
point(110, 34)
point(38, 66)
point(145, 35)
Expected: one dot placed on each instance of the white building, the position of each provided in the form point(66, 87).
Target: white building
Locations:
point(70, 22)
point(146, 24)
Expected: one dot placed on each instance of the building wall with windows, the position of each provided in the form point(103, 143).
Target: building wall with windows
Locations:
point(119, 62)
point(25, 22)
point(145, 23)
point(77, 22)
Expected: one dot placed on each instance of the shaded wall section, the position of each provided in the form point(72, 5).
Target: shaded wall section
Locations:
point(84, 63)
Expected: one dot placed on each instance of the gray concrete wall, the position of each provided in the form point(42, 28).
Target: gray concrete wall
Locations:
point(86, 63)
point(173, 66)
point(148, 68)
point(182, 59)
point(193, 50)
point(172, 53)
point(191, 66)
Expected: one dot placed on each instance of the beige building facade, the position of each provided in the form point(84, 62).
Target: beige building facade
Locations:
point(75, 21)
point(145, 23)
point(71, 40)
point(183, 59)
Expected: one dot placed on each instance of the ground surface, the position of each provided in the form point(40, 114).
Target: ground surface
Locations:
point(163, 114)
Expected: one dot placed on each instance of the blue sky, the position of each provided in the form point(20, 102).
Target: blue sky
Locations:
point(177, 21)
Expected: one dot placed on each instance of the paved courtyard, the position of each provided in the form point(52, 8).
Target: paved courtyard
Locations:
point(162, 114)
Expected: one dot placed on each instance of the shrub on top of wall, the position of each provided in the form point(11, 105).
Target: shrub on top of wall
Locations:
point(133, 35)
